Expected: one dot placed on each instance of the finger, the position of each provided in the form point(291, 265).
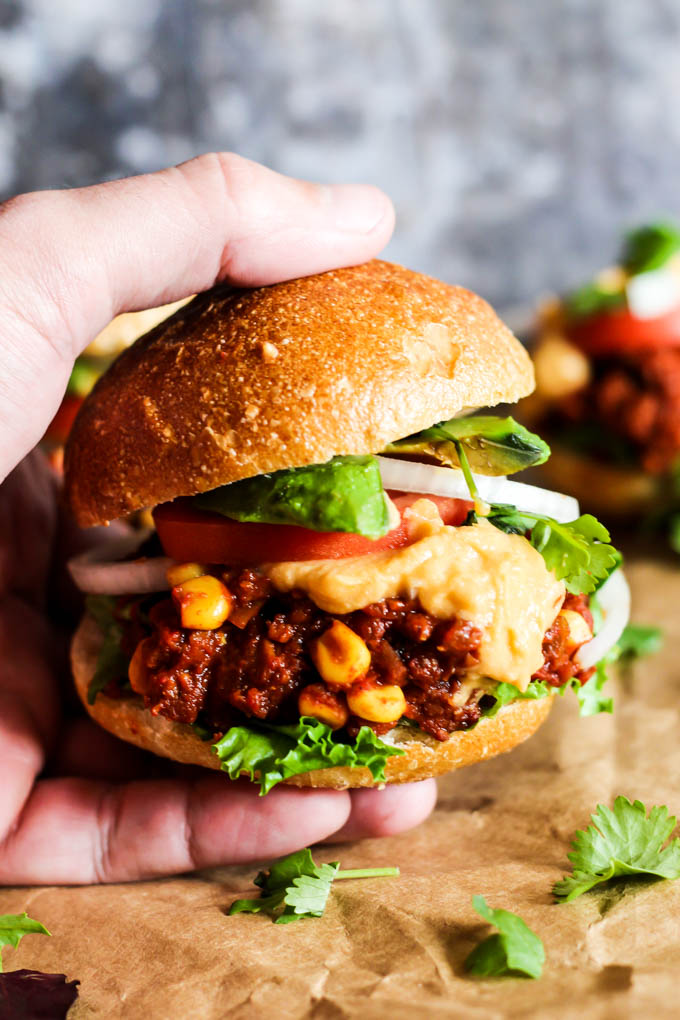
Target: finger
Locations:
point(87, 751)
point(73, 832)
point(387, 812)
point(70, 260)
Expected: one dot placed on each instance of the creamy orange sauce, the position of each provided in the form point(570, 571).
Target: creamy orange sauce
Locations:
point(497, 581)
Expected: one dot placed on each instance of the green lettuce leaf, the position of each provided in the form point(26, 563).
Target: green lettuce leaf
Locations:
point(493, 445)
point(84, 375)
point(505, 694)
point(622, 841)
point(295, 887)
point(515, 949)
point(273, 753)
point(345, 494)
point(112, 663)
point(591, 700)
point(13, 927)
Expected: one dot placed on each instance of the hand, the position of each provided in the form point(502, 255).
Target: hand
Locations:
point(102, 811)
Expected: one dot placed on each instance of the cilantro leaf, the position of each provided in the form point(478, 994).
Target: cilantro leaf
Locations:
point(516, 949)
point(578, 552)
point(296, 887)
point(622, 841)
point(13, 927)
point(112, 663)
point(273, 753)
point(638, 640)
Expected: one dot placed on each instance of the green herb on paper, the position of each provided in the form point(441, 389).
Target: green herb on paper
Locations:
point(13, 927)
point(514, 950)
point(345, 494)
point(622, 841)
point(492, 445)
point(273, 753)
point(295, 887)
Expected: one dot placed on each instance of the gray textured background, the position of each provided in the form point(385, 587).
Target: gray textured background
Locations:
point(515, 136)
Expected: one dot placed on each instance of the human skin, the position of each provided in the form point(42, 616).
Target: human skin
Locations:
point(76, 805)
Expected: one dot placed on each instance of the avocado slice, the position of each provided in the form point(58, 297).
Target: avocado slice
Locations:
point(493, 445)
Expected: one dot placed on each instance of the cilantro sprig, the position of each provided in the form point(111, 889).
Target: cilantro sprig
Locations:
point(295, 887)
point(578, 552)
point(514, 949)
point(13, 927)
point(621, 841)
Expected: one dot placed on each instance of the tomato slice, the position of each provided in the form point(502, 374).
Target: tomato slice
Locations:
point(189, 534)
point(621, 332)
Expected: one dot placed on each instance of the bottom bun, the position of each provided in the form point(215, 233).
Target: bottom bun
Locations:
point(424, 756)
point(598, 486)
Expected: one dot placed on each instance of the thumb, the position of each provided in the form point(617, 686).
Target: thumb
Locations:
point(71, 260)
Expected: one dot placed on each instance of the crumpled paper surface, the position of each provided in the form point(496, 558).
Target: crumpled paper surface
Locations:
point(395, 947)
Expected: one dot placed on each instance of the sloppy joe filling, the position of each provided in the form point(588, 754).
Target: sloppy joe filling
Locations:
point(259, 661)
point(634, 398)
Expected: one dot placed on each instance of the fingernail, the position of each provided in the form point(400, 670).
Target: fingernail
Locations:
point(357, 208)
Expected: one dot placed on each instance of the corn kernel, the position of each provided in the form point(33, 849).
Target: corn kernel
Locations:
point(579, 631)
point(375, 703)
point(137, 668)
point(318, 702)
point(178, 573)
point(203, 602)
point(340, 655)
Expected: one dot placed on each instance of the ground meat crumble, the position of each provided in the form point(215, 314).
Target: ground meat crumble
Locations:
point(636, 398)
point(256, 664)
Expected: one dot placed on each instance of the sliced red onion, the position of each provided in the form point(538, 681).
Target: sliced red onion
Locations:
point(102, 571)
point(411, 476)
point(614, 599)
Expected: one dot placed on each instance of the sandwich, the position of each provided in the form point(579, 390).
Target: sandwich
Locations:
point(607, 359)
point(343, 587)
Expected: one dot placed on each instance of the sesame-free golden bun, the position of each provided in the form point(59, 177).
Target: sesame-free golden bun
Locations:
point(242, 382)
point(424, 756)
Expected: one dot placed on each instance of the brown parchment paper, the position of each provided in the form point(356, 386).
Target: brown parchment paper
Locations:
point(395, 947)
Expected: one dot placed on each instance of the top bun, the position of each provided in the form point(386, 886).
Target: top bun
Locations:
point(240, 382)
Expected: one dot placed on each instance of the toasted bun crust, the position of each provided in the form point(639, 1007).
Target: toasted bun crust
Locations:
point(425, 757)
point(606, 489)
point(240, 382)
